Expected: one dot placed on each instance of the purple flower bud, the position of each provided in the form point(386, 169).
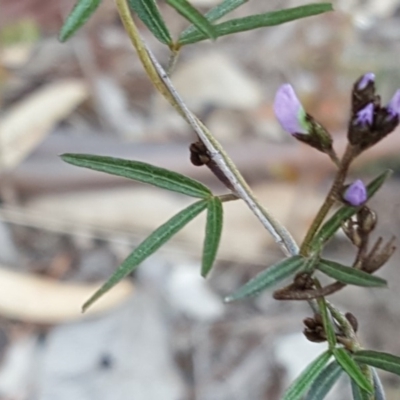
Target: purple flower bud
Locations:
point(365, 115)
point(289, 111)
point(356, 193)
point(394, 105)
point(365, 80)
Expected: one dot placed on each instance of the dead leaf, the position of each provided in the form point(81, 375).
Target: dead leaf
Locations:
point(38, 299)
point(25, 124)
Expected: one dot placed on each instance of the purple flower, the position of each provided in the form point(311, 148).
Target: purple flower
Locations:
point(356, 193)
point(365, 80)
point(365, 115)
point(289, 111)
point(394, 105)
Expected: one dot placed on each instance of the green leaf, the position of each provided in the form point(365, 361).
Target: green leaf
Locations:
point(268, 278)
point(150, 15)
point(331, 226)
point(141, 172)
point(214, 14)
point(194, 16)
point(213, 234)
point(81, 12)
point(377, 359)
point(324, 381)
point(329, 329)
point(358, 393)
point(349, 275)
point(151, 244)
point(352, 369)
point(259, 21)
point(297, 389)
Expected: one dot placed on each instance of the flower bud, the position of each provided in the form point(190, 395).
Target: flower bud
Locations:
point(360, 130)
point(366, 115)
point(293, 119)
point(355, 194)
point(289, 111)
point(363, 92)
point(365, 80)
point(370, 122)
point(309, 323)
point(313, 336)
point(367, 220)
point(394, 104)
point(353, 321)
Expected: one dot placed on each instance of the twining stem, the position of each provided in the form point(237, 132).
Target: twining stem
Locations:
point(330, 199)
point(163, 84)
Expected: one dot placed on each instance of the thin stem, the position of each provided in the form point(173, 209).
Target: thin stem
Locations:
point(228, 197)
point(288, 293)
point(330, 198)
point(173, 60)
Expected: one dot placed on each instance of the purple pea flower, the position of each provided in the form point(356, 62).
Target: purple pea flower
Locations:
point(394, 104)
point(289, 111)
point(365, 80)
point(356, 193)
point(365, 115)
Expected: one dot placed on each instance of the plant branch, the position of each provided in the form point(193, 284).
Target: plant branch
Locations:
point(162, 82)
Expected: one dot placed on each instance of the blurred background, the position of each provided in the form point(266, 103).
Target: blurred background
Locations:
point(165, 332)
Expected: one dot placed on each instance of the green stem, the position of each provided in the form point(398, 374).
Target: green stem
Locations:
point(331, 197)
point(173, 60)
point(345, 326)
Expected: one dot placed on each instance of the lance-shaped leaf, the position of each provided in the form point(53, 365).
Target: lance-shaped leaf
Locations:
point(141, 172)
point(214, 14)
point(259, 21)
point(327, 322)
point(213, 234)
point(358, 393)
point(268, 278)
point(324, 381)
point(385, 361)
point(349, 275)
point(151, 244)
point(81, 12)
point(297, 389)
point(194, 16)
point(352, 369)
point(150, 15)
point(344, 213)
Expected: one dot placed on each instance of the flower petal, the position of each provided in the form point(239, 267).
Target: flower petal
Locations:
point(366, 115)
point(356, 193)
point(289, 111)
point(365, 80)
